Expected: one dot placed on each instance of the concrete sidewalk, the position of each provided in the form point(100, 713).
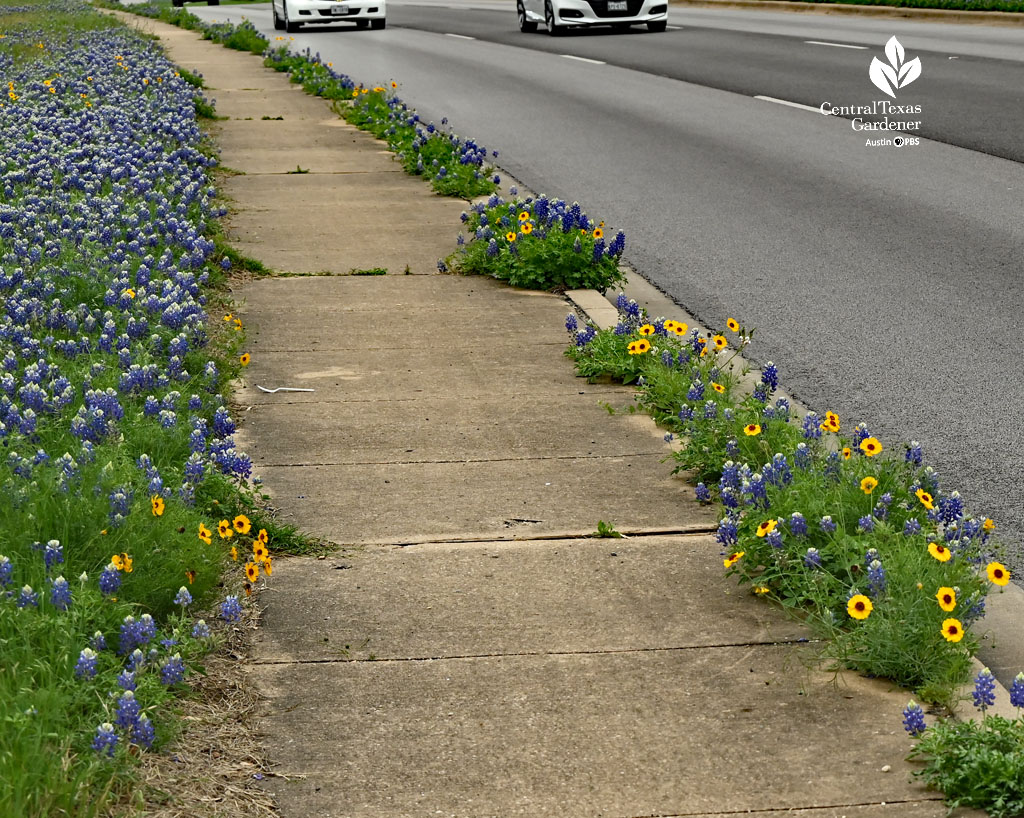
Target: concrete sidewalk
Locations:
point(469, 652)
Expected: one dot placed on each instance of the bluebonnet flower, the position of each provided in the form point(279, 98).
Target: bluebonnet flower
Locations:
point(6, 570)
point(110, 580)
point(143, 733)
point(911, 527)
point(98, 641)
point(696, 391)
point(833, 466)
point(702, 493)
point(866, 524)
point(200, 630)
point(802, 457)
point(183, 598)
point(730, 475)
point(914, 456)
point(85, 668)
point(797, 524)
point(913, 719)
point(710, 410)
point(984, 693)
point(728, 534)
point(827, 524)
point(54, 554)
point(571, 324)
point(585, 337)
point(126, 680)
point(27, 598)
point(230, 609)
point(811, 426)
point(1017, 691)
point(760, 393)
point(686, 413)
point(860, 433)
point(732, 447)
point(876, 579)
point(812, 559)
point(105, 741)
point(951, 507)
point(173, 670)
point(60, 594)
point(137, 660)
point(774, 538)
point(127, 710)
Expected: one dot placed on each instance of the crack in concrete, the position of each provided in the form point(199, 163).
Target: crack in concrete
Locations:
point(602, 652)
point(696, 530)
point(788, 810)
point(450, 462)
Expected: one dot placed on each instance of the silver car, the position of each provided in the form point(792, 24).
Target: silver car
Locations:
point(289, 15)
point(561, 15)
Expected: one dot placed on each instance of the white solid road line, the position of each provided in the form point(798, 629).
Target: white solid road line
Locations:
point(583, 59)
point(459, 36)
point(837, 45)
point(790, 104)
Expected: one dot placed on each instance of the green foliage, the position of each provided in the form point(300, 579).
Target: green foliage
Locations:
point(606, 530)
point(807, 510)
point(958, 5)
point(979, 765)
point(373, 271)
point(540, 245)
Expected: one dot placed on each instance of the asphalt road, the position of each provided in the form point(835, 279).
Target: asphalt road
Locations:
point(884, 282)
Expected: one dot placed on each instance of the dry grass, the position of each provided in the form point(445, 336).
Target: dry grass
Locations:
point(214, 767)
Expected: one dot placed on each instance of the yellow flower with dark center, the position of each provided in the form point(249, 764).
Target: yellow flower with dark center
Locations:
point(234, 553)
point(989, 524)
point(204, 534)
point(229, 317)
point(242, 524)
point(524, 216)
point(669, 325)
point(157, 504)
point(510, 236)
point(952, 630)
point(997, 573)
point(117, 562)
point(752, 429)
point(761, 589)
point(238, 325)
point(244, 359)
point(847, 452)
point(124, 563)
point(252, 571)
point(867, 485)
point(393, 83)
point(870, 446)
point(598, 233)
point(680, 328)
point(526, 228)
point(832, 419)
point(268, 567)
point(639, 347)
point(859, 606)
point(940, 552)
point(719, 341)
point(947, 598)
point(259, 551)
point(190, 576)
point(732, 324)
point(263, 537)
point(732, 559)
point(718, 387)
point(766, 528)
point(926, 499)
point(224, 529)
point(646, 329)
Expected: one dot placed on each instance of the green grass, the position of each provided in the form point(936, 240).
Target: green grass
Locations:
point(952, 5)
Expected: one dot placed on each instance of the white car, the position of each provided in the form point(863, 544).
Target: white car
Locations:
point(561, 15)
point(289, 15)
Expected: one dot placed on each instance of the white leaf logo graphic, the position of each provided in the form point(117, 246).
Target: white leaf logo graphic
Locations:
point(898, 73)
point(881, 75)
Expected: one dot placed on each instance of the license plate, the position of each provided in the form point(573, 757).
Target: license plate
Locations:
point(339, 10)
point(617, 5)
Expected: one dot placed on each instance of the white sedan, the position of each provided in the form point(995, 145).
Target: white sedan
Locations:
point(290, 14)
point(560, 15)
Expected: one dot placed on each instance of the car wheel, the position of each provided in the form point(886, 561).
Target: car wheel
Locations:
point(657, 25)
point(549, 20)
point(278, 22)
point(524, 25)
point(289, 26)
point(377, 25)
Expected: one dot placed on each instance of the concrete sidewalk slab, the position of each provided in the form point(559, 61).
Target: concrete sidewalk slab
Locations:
point(644, 733)
point(504, 499)
point(484, 599)
point(443, 429)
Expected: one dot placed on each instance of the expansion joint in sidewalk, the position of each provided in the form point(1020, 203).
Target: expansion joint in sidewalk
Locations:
point(458, 461)
point(789, 810)
point(692, 531)
point(517, 654)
